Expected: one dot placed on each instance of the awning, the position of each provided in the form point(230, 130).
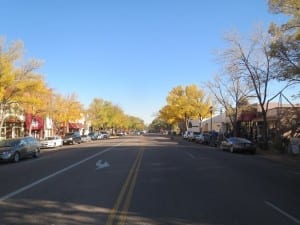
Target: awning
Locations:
point(36, 122)
point(247, 116)
point(75, 125)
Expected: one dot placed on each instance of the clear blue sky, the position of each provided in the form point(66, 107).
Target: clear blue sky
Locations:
point(131, 53)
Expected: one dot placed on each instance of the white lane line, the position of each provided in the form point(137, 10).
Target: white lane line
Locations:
point(18, 191)
point(283, 212)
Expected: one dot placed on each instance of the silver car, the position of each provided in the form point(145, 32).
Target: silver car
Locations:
point(18, 148)
point(235, 144)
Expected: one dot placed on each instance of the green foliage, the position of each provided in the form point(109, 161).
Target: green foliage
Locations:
point(285, 47)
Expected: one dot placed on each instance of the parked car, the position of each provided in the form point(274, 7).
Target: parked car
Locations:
point(105, 134)
point(121, 133)
point(186, 134)
point(18, 148)
point(200, 138)
point(207, 138)
point(85, 138)
point(51, 142)
point(234, 144)
point(100, 136)
point(93, 135)
point(72, 138)
point(192, 135)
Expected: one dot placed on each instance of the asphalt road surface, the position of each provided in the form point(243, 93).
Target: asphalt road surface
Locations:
point(145, 180)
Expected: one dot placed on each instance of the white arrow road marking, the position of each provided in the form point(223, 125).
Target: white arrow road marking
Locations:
point(101, 164)
point(20, 190)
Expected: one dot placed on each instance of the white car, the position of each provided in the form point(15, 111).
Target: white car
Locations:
point(51, 142)
point(86, 138)
point(186, 134)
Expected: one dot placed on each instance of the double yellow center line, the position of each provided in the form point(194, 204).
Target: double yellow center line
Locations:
point(119, 212)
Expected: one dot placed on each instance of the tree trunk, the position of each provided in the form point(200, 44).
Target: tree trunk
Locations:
point(265, 145)
point(186, 124)
point(2, 117)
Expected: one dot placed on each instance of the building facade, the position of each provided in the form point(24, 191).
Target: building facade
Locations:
point(281, 119)
point(16, 125)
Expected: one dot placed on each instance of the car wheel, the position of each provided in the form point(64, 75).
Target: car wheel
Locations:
point(36, 153)
point(231, 149)
point(16, 157)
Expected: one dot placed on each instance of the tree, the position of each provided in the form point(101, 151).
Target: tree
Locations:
point(290, 8)
point(157, 125)
point(285, 46)
point(135, 123)
point(231, 92)
point(185, 103)
point(97, 112)
point(104, 114)
point(252, 61)
point(66, 109)
point(34, 99)
point(19, 86)
point(116, 117)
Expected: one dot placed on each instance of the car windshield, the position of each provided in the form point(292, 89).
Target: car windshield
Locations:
point(239, 140)
point(49, 138)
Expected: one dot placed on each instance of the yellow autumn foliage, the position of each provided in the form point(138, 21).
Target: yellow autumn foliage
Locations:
point(184, 103)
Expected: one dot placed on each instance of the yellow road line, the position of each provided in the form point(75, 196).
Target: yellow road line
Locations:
point(128, 186)
point(130, 191)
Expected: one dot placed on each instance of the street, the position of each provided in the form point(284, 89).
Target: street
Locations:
point(148, 180)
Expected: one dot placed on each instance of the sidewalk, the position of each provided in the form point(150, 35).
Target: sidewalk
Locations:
point(284, 158)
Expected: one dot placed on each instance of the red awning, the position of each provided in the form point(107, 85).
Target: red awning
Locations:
point(247, 116)
point(36, 122)
point(75, 125)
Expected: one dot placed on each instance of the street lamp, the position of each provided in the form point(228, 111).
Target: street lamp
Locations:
point(211, 111)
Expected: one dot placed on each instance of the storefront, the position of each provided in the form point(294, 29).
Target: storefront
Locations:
point(76, 127)
point(71, 127)
point(34, 125)
point(13, 127)
point(246, 126)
